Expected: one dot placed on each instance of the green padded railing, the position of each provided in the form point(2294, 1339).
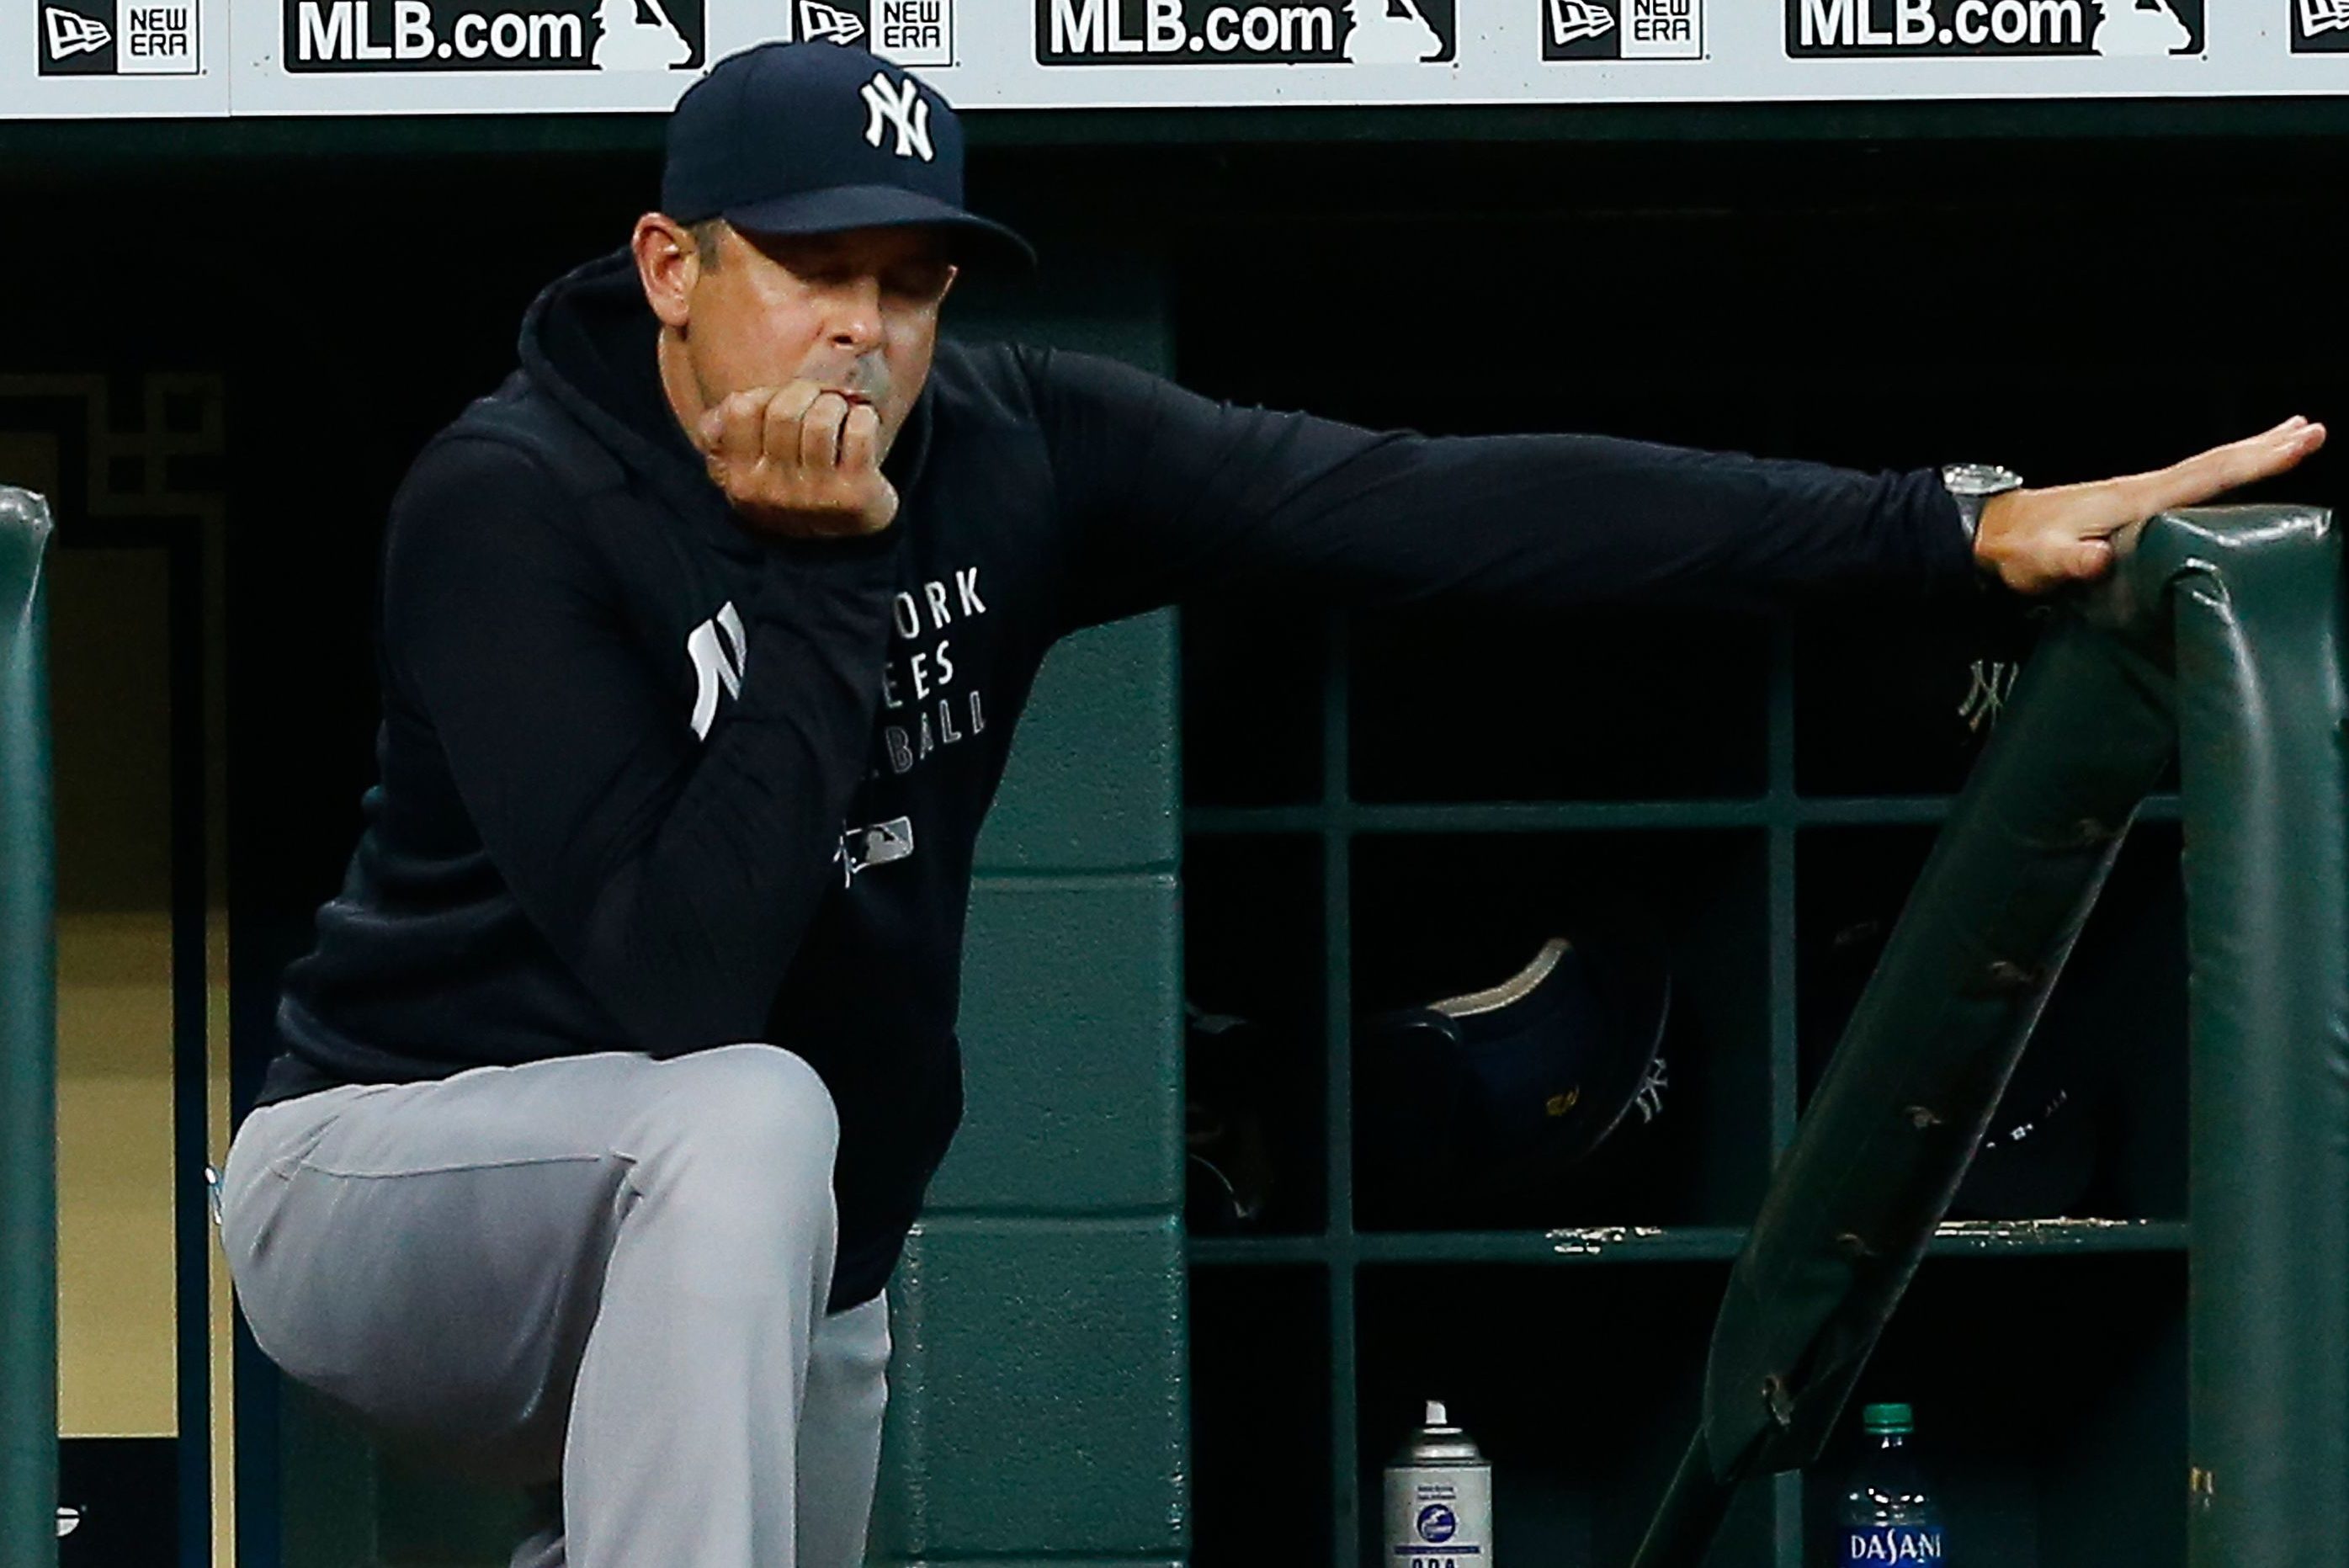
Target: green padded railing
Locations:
point(29, 1206)
point(2219, 639)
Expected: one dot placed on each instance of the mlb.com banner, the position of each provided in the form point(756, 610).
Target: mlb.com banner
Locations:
point(432, 57)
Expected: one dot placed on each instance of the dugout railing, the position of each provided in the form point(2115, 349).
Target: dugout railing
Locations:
point(28, 1363)
point(2219, 641)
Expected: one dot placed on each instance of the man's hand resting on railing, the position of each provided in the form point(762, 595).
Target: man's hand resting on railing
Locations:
point(2037, 540)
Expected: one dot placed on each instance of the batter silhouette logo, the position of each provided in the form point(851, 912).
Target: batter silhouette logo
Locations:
point(1369, 33)
point(2320, 27)
point(862, 848)
point(1622, 29)
point(2002, 29)
point(117, 37)
point(345, 36)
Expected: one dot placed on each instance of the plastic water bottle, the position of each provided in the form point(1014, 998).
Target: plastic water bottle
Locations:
point(1889, 1517)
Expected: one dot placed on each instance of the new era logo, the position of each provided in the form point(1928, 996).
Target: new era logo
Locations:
point(1570, 20)
point(828, 23)
point(903, 32)
point(913, 32)
point(1624, 29)
point(2320, 27)
point(72, 34)
point(120, 37)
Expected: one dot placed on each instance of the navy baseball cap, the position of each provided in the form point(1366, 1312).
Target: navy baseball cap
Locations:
point(814, 138)
point(1491, 1098)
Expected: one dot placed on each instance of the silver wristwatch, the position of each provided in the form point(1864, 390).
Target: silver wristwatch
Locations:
point(1972, 483)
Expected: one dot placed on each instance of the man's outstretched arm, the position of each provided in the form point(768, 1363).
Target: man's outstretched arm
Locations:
point(1167, 496)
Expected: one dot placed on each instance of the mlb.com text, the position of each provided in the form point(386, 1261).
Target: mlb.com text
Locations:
point(1092, 27)
point(1972, 23)
point(339, 30)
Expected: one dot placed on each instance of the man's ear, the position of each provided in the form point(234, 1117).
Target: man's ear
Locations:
point(668, 264)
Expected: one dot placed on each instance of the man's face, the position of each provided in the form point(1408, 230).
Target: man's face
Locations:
point(855, 312)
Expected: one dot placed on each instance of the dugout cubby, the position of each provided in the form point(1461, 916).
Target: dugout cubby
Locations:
point(1266, 750)
point(1254, 919)
point(1260, 1402)
point(1579, 1382)
point(1758, 791)
point(1514, 706)
point(2038, 1439)
point(2106, 1070)
point(1569, 1333)
point(1440, 915)
point(1888, 704)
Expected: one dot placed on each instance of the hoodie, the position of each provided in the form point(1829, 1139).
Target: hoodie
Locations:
point(650, 781)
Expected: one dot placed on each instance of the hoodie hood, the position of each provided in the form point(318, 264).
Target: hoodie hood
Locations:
point(588, 340)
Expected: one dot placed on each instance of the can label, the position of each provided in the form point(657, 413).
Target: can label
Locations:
point(1892, 1543)
point(1440, 1518)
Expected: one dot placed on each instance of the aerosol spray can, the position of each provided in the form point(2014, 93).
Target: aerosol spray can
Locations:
point(1439, 1498)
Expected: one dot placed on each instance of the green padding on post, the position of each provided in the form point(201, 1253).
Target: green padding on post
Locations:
point(1912, 1085)
point(29, 1209)
point(2247, 603)
point(2261, 713)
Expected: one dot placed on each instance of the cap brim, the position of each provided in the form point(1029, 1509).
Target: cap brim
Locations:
point(843, 207)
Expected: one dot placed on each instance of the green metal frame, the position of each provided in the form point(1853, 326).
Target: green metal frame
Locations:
point(1782, 816)
point(28, 1256)
point(2234, 615)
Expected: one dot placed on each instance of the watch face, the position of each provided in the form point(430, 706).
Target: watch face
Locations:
point(1979, 478)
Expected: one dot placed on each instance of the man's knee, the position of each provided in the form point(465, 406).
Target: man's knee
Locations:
point(743, 1112)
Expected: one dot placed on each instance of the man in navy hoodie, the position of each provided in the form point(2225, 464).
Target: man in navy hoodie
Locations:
point(622, 1060)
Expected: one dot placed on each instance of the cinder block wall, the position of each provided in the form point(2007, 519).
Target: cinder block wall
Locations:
point(1038, 1407)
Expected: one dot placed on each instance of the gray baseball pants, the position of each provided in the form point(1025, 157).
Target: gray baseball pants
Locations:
point(601, 1276)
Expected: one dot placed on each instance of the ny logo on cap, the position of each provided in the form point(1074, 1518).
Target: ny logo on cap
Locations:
point(900, 105)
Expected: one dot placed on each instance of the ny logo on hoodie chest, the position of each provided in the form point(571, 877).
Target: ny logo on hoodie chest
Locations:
point(718, 651)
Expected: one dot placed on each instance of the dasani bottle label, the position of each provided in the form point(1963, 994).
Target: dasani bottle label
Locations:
point(1891, 1543)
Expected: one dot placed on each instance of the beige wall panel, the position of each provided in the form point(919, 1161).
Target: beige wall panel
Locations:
point(110, 702)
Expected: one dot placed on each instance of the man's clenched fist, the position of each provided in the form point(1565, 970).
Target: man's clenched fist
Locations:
point(800, 460)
